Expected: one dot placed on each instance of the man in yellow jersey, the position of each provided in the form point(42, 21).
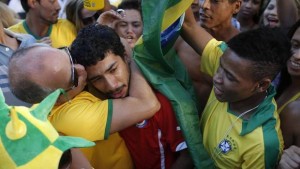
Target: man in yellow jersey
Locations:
point(240, 123)
point(42, 22)
point(78, 113)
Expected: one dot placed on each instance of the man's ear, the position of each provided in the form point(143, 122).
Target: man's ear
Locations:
point(32, 3)
point(128, 50)
point(263, 85)
point(237, 6)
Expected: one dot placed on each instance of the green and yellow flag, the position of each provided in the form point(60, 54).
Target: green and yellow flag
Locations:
point(161, 66)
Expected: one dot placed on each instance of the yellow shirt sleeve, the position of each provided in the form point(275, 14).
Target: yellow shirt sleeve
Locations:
point(85, 116)
point(210, 59)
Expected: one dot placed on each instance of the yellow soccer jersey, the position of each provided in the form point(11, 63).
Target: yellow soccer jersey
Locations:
point(84, 116)
point(234, 142)
point(89, 117)
point(111, 154)
point(210, 59)
point(61, 34)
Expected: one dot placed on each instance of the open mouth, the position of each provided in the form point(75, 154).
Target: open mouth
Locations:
point(295, 64)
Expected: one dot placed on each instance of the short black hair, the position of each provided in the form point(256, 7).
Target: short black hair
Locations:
point(94, 42)
point(25, 5)
point(130, 4)
point(267, 48)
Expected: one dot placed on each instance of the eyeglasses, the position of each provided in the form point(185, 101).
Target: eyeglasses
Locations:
point(74, 75)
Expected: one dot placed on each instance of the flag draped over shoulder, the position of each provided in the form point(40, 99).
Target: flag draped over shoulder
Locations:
point(166, 73)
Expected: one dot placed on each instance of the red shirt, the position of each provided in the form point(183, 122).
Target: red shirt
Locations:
point(153, 143)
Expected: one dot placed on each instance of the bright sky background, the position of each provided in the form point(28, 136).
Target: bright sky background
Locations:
point(115, 2)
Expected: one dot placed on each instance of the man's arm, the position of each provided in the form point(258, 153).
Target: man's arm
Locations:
point(193, 34)
point(141, 103)
point(287, 13)
point(290, 158)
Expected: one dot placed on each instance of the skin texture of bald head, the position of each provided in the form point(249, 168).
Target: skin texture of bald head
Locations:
point(36, 71)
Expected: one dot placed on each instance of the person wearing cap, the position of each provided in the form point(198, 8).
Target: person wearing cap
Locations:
point(42, 22)
point(78, 15)
point(29, 141)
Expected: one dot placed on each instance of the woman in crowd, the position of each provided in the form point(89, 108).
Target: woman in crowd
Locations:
point(249, 14)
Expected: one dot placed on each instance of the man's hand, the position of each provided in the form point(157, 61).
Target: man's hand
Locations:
point(110, 18)
point(290, 158)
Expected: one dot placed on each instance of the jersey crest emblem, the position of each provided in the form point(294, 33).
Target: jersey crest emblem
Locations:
point(225, 146)
point(142, 124)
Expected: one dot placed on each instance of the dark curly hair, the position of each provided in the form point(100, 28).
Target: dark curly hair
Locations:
point(93, 43)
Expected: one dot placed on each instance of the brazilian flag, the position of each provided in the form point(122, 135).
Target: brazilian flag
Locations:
point(161, 66)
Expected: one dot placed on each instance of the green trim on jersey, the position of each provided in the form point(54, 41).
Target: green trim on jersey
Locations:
point(109, 118)
point(270, 142)
point(261, 114)
point(223, 46)
point(239, 143)
point(26, 27)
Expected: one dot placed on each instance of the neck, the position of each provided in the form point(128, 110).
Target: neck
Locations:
point(244, 21)
point(36, 25)
point(223, 32)
point(248, 104)
point(295, 80)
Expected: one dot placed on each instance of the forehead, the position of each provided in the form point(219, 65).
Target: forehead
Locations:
point(132, 15)
point(239, 67)
point(104, 65)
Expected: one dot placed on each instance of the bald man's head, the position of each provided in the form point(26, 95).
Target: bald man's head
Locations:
point(36, 71)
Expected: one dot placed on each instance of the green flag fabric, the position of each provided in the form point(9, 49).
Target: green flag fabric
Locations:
point(161, 66)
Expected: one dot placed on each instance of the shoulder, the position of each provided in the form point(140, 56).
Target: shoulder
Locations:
point(290, 116)
point(17, 27)
point(64, 23)
point(292, 110)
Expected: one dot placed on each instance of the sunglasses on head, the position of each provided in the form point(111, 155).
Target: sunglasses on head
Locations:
point(74, 75)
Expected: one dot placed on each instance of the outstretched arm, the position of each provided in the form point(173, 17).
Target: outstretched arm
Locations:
point(193, 34)
point(287, 13)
